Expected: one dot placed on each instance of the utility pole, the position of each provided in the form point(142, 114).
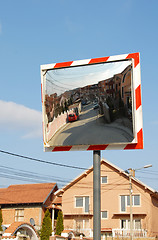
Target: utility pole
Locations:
point(96, 196)
point(132, 174)
point(131, 213)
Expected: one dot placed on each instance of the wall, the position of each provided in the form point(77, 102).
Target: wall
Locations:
point(34, 213)
point(106, 112)
point(154, 223)
point(29, 212)
point(8, 215)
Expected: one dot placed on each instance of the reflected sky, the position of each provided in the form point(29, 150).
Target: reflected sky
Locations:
point(65, 79)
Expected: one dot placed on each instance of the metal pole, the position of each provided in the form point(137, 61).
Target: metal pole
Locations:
point(96, 196)
point(131, 213)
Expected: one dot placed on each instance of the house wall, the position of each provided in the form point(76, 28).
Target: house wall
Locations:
point(117, 185)
point(82, 188)
point(29, 212)
point(154, 222)
point(8, 216)
point(32, 213)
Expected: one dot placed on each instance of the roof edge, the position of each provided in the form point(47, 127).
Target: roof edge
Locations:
point(55, 185)
point(62, 190)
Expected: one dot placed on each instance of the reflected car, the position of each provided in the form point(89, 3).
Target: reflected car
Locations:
point(95, 106)
point(72, 117)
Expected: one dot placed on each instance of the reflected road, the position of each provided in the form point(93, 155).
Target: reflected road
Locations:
point(90, 129)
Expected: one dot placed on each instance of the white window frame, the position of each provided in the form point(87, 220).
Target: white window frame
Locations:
point(135, 224)
point(103, 218)
point(83, 223)
point(19, 214)
point(128, 223)
point(126, 201)
point(76, 202)
point(102, 180)
point(133, 204)
point(84, 203)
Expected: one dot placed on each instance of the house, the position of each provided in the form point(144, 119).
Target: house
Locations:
point(23, 207)
point(77, 204)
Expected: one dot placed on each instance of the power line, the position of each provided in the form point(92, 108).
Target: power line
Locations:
point(42, 161)
point(60, 82)
point(12, 172)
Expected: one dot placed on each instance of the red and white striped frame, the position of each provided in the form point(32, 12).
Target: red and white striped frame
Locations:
point(137, 143)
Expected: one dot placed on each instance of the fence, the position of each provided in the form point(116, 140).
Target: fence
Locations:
point(126, 233)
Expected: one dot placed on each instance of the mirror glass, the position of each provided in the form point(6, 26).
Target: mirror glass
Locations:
point(89, 104)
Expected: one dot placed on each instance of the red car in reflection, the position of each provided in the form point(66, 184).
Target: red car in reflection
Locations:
point(73, 117)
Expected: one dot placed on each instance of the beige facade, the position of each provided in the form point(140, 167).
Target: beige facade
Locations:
point(77, 204)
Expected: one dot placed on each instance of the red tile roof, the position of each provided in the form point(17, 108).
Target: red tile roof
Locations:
point(26, 193)
point(16, 225)
point(11, 229)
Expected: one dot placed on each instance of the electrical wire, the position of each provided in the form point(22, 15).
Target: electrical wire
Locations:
point(59, 81)
point(27, 174)
point(42, 161)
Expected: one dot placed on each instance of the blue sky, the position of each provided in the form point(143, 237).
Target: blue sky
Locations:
point(36, 32)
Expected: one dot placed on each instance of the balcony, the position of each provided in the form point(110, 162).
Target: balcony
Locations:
point(126, 233)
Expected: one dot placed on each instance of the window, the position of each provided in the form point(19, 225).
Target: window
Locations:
point(79, 201)
point(19, 215)
point(86, 204)
point(125, 201)
point(123, 204)
point(128, 200)
point(104, 215)
point(135, 200)
point(125, 224)
point(83, 202)
point(137, 224)
point(104, 179)
point(81, 224)
point(122, 92)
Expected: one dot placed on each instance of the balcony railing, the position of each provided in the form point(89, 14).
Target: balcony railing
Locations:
point(126, 233)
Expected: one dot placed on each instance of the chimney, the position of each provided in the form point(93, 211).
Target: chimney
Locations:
point(132, 172)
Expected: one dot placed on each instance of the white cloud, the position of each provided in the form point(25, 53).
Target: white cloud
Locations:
point(16, 117)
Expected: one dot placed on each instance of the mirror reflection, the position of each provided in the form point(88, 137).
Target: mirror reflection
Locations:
point(89, 105)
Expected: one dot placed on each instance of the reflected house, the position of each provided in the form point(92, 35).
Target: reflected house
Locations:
point(63, 99)
point(84, 92)
point(50, 102)
point(126, 86)
point(102, 87)
point(54, 104)
point(106, 87)
point(93, 92)
point(110, 87)
point(76, 95)
point(119, 84)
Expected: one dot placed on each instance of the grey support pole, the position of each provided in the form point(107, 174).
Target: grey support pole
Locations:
point(96, 196)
